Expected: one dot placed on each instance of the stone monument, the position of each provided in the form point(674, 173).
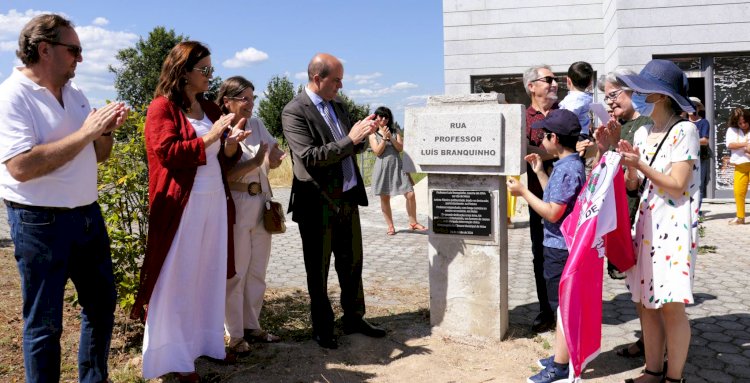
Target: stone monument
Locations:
point(467, 144)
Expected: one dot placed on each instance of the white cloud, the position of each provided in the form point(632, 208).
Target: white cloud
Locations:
point(11, 24)
point(246, 57)
point(301, 76)
point(100, 47)
point(8, 46)
point(404, 85)
point(374, 93)
point(364, 79)
point(100, 21)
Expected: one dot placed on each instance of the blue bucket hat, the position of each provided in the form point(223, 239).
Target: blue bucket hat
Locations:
point(662, 77)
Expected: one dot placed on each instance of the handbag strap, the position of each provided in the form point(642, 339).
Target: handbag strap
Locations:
point(262, 168)
point(656, 153)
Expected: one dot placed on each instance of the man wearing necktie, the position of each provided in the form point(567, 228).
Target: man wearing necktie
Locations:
point(326, 192)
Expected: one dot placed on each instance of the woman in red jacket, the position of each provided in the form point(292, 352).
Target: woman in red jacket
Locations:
point(189, 253)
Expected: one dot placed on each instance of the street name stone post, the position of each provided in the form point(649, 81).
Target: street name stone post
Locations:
point(467, 144)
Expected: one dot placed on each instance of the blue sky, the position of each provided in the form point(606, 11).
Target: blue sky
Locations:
point(392, 49)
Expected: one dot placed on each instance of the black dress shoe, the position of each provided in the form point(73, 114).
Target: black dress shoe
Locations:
point(329, 341)
point(543, 322)
point(363, 327)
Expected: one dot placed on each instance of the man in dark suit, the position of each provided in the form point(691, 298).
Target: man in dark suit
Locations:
point(326, 192)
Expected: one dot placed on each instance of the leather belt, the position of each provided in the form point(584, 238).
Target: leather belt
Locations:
point(253, 188)
point(17, 205)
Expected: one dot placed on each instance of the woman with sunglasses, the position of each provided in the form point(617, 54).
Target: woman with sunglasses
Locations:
point(663, 163)
point(388, 176)
point(189, 145)
point(248, 180)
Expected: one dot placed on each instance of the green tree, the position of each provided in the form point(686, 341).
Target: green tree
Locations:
point(138, 74)
point(279, 92)
point(356, 111)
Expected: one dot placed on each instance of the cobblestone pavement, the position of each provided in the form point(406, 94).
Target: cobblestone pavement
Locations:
point(720, 318)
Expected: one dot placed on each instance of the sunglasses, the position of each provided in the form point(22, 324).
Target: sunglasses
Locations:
point(611, 96)
point(242, 99)
point(206, 70)
point(73, 49)
point(547, 79)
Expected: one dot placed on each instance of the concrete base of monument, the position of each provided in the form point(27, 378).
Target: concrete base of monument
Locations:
point(468, 269)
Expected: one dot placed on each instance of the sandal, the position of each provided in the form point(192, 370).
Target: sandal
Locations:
point(659, 374)
point(261, 336)
point(240, 346)
point(391, 231)
point(668, 379)
point(625, 351)
point(737, 221)
point(417, 226)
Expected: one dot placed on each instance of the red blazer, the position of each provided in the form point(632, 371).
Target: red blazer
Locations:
point(174, 153)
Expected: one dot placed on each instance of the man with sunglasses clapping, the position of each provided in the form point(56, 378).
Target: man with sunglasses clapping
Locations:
point(50, 143)
point(541, 86)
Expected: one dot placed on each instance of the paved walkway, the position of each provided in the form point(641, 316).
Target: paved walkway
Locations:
point(720, 318)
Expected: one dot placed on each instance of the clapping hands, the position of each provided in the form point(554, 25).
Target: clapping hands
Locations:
point(535, 160)
point(362, 129)
point(237, 134)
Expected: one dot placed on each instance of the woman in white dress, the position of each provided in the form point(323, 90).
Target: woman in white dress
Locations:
point(248, 180)
point(189, 253)
point(664, 161)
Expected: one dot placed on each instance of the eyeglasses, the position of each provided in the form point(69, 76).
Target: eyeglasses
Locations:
point(611, 96)
point(242, 99)
point(206, 70)
point(73, 49)
point(547, 79)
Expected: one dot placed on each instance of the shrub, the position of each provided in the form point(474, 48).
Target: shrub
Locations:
point(123, 195)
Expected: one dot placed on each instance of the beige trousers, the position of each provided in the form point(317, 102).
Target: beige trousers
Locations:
point(245, 291)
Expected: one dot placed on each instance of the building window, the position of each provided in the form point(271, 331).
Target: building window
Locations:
point(511, 85)
point(731, 90)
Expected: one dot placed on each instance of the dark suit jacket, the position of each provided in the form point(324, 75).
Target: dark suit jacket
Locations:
point(316, 156)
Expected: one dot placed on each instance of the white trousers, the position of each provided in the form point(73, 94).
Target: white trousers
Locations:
point(245, 291)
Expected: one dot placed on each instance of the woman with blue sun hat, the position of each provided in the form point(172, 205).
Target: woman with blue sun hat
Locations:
point(663, 162)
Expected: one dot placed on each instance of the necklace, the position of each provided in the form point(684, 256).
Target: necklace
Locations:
point(663, 128)
point(190, 108)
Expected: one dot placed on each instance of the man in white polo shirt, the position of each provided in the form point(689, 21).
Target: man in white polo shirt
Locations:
point(50, 143)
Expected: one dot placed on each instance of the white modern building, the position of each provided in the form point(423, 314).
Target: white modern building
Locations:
point(489, 43)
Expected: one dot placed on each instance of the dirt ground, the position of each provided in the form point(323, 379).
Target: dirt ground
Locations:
point(412, 351)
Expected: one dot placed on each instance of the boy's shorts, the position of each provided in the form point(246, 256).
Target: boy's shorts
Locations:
point(554, 263)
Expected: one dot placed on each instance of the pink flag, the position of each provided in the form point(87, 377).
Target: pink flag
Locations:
point(598, 225)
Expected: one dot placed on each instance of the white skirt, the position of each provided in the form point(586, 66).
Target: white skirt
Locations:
point(186, 311)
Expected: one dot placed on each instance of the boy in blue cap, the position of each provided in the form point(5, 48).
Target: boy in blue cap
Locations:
point(561, 188)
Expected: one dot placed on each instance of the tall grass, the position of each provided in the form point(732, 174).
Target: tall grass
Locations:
point(282, 176)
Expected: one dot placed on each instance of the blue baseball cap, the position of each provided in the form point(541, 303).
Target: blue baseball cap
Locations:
point(561, 122)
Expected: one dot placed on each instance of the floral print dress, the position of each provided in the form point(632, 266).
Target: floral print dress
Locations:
point(666, 229)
